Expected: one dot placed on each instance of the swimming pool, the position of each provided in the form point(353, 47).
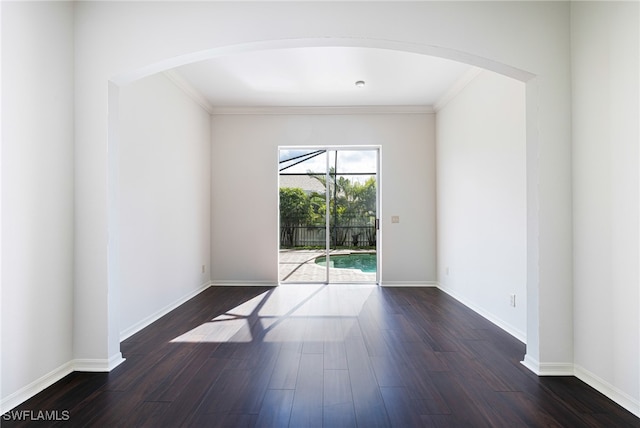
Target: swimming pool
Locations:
point(366, 262)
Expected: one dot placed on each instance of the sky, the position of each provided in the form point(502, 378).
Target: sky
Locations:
point(348, 161)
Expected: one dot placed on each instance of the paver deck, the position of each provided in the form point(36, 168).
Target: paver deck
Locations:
point(300, 266)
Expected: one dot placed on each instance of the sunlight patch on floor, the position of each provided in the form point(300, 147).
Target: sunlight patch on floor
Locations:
point(218, 330)
point(287, 313)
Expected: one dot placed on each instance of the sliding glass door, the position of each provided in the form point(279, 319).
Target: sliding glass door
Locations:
point(328, 203)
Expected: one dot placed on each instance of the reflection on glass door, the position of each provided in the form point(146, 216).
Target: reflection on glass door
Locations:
point(328, 200)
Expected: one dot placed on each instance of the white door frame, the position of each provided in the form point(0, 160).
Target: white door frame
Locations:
point(330, 148)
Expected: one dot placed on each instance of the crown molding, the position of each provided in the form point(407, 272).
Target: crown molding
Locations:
point(268, 110)
point(456, 88)
point(199, 99)
point(189, 90)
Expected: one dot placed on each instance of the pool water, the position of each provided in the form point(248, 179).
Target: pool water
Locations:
point(366, 262)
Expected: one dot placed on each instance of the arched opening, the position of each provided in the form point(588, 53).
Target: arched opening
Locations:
point(532, 173)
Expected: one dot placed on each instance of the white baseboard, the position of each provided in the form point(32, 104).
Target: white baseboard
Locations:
point(594, 381)
point(520, 335)
point(547, 369)
point(556, 369)
point(532, 364)
point(38, 385)
point(234, 283)
point(97, 365)
point(130, 331)
point(601, 385)
point(560, 369)
point(409, 284)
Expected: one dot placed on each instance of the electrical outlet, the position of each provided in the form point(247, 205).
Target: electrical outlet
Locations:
point(512, 300)
point(395, 219)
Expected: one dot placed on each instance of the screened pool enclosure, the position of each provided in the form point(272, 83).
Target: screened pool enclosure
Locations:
point(328, 207)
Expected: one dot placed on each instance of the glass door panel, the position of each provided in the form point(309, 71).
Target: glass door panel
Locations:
point(353, 212)
point(303, 231)
point(328, 215)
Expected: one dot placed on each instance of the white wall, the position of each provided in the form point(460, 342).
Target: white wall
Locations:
point(605, 70)
point(123, 40)
point(164, 219)
point(481, 199)
point(37, 195)
point(527, 40)
point(245, 189)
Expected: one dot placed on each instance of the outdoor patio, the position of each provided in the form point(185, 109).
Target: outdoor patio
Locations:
point(300, 266)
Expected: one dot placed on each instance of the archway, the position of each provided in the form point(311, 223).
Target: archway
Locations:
point(532, 147)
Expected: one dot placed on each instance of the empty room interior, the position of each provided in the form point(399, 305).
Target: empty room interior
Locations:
point(144, 266)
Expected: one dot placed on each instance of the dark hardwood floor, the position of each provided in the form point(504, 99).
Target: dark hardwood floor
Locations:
point(332, 356)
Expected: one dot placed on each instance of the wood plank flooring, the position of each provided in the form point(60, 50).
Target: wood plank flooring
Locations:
point(323, 356)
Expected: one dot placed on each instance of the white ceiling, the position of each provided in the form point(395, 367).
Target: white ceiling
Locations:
point(322, 77)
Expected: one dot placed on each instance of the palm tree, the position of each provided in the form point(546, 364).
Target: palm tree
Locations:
point(352, 206)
